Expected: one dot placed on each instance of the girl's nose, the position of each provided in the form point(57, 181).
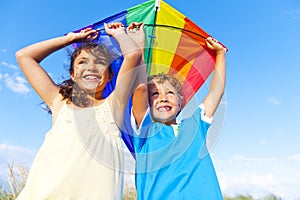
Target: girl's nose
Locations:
point(91, 68)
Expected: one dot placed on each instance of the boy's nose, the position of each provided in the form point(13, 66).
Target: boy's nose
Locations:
point(163, 98)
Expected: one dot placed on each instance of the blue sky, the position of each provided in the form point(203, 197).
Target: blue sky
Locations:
point(258, 150)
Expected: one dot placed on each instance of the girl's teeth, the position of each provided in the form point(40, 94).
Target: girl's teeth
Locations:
point(91, 77)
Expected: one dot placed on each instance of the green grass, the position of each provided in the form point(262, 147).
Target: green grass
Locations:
point(15, 182)
point(249, 197)
point(10, 188)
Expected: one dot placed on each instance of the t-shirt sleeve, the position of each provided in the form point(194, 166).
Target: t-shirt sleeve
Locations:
point(140, 133)
point(203, 116)
point(202, 121)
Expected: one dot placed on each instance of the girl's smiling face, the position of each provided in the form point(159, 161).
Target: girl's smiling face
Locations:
point(90, 73)
point(164, 102)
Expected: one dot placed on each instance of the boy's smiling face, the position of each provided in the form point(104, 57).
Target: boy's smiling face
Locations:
point(164, 102)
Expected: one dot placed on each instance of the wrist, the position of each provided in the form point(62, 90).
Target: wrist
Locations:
point(221, 51)
point(68, 39)
point(120, 36)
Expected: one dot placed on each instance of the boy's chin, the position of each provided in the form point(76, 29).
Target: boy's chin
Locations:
point(167, 121)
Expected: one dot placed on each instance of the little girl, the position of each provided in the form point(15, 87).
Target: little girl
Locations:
point(82, 156)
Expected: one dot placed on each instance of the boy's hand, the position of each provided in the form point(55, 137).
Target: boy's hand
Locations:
point(114, 29)
point(136, 32)
point(213, 44)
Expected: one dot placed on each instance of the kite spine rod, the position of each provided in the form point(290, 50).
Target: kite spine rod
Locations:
point(165, 26)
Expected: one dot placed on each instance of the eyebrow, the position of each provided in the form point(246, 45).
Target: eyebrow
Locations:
point(81, 58)
point(101, 61)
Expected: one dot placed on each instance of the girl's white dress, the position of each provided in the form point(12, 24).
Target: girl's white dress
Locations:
point(81, 158)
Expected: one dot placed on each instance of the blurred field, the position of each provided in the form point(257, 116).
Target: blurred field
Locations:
point(10, 188)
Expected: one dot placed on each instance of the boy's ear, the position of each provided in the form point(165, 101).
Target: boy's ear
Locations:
point(180, 105)
point(111, 75)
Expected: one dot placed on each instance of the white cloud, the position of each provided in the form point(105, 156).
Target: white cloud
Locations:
point(274, 100)
point(16, 84)
point(4, 50)
point(0, 82)
point(14, 155)
point(10, 66)
point(259, 176)
point(245, 159)
point(294, 14)
point(263, 141)
point(259, 185)
point(11, 153)
point(295, 157)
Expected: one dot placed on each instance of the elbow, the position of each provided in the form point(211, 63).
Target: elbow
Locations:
point(141, 89)
point(221, 93)
point(19, 55)
point(217, 93)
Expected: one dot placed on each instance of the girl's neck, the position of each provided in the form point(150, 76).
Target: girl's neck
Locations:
point(95, 99)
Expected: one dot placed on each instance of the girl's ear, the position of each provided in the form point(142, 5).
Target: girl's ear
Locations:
point(72, 76)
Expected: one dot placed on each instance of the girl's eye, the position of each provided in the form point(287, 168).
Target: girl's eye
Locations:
point(82, 62)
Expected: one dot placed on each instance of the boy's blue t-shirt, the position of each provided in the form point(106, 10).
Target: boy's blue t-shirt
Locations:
point(174, 167)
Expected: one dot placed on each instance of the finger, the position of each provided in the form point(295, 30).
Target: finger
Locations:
point(105, 25)
point(209, 41)
point(118, 24)
point(130, 26)
point(93, 34)
point(139, 24)
point(142, 26)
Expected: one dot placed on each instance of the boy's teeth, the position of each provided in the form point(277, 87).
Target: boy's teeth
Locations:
point(164, 108)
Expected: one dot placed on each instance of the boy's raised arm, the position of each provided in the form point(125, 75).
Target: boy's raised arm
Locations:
point(217, 85)
point(127, 79)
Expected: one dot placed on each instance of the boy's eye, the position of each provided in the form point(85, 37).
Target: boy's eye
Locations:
point(154, 93)
point(171, 92)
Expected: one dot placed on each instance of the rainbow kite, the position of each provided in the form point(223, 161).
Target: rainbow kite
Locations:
point(174, 45)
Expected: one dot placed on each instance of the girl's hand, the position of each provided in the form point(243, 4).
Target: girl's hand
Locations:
point(114, 29)
point(136, 32)
point(84, 35)
point(213, 44)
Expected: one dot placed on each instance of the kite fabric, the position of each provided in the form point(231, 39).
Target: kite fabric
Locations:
point(174, 45)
